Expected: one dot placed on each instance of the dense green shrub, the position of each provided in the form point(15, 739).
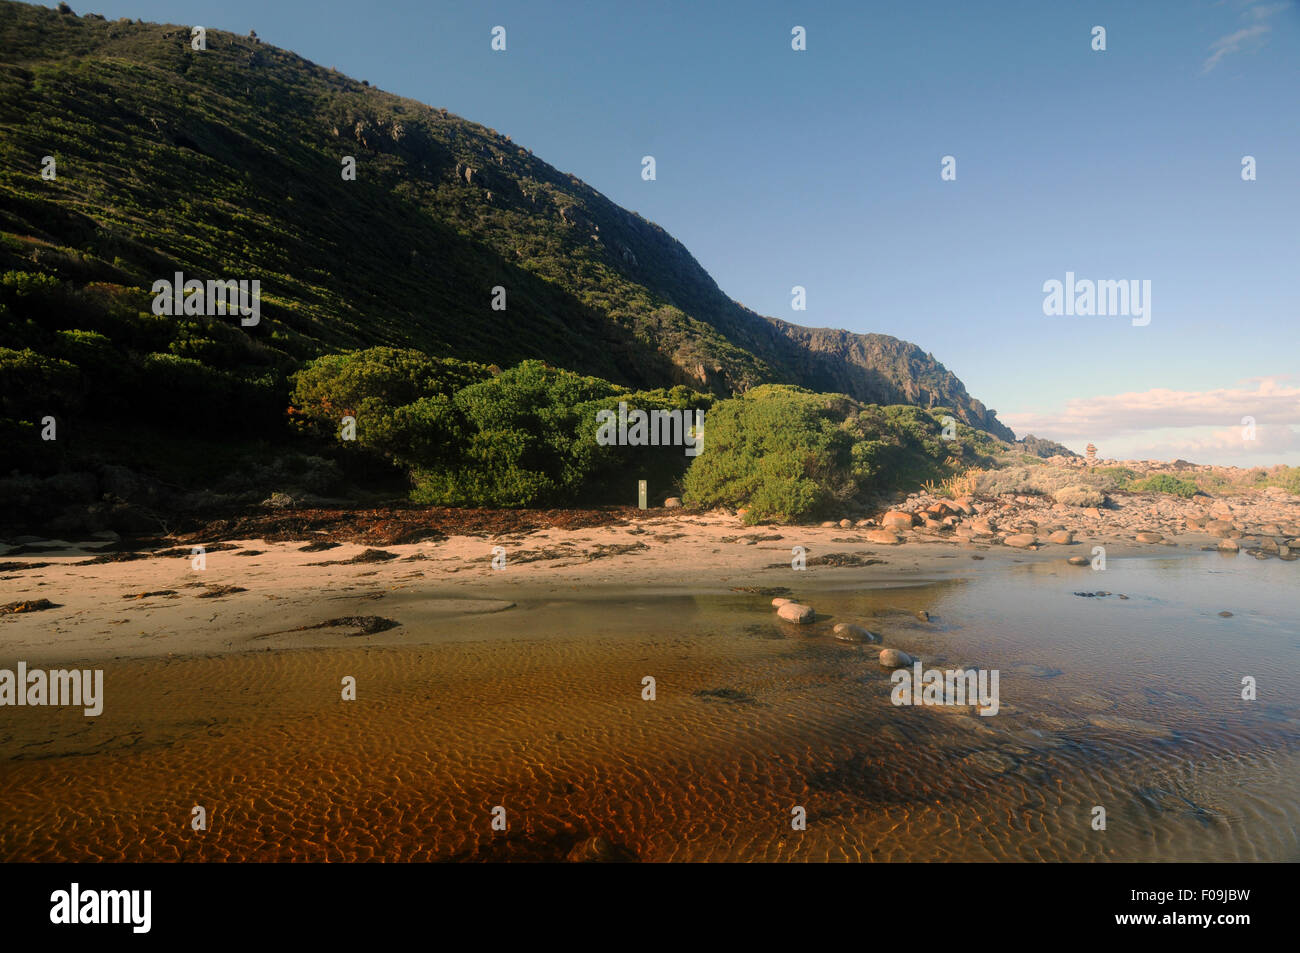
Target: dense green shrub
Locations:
point(471, 437)
point(1164, 483)
point(778, 450)
point(785, 453)
point(1120, 477)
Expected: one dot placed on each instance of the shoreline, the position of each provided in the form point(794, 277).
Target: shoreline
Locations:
point(255, 594)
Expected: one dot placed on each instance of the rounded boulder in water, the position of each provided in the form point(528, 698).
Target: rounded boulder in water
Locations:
point(895, 658)
point(846, 632)
point(794, 612)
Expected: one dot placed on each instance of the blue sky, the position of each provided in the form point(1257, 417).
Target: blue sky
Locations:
point(821, 168)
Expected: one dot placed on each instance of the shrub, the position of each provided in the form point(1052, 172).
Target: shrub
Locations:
point(1119, 477)
point(778, 450)
point(470, 437)
point(1288, 478)
point(31, 383)
point(787, 454)
point(1164, 483)
point(1078, 495)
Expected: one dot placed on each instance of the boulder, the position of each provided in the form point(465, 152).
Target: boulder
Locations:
point(1062, 536)
point(883, 536)
point(1078, 560)
point(779, 602)
point(1221, 528)
point(673, 503)
point(796, 613)
point(895, 658)
point(1020, 540)
point(898, 520)
point(1146, 536)
point(846, 632)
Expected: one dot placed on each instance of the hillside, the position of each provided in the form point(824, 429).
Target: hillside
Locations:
point(226, 163)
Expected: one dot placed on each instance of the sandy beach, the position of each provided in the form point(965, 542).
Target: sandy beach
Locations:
point(112, 601)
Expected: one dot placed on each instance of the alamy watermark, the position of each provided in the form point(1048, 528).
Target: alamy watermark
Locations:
point(1106, 298)
point(918, 686)
point(57, 687)
point(75, 906)
point(655, 428)
point(194, 297)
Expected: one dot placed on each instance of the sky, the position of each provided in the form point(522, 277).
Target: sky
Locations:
point(822, 168)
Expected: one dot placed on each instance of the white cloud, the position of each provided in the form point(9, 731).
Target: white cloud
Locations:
point(1271, 444)
point(1163, 424)
point(1248, 37)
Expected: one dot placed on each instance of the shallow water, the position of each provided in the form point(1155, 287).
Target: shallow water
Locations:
point(1132, 705)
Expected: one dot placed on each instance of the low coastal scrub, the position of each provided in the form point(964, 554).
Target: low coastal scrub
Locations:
point(472, 435)
point(1041, 480)
point(1164, 483)
point(785, 454)
point(1078, 495)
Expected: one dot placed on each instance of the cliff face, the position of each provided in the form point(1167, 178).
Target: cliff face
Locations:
point(228, 162)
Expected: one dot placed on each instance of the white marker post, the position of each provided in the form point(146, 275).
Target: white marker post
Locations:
point(640, 494)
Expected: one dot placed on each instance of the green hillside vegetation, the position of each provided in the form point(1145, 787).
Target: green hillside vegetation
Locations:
point(228, 162)
point(376, 299)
